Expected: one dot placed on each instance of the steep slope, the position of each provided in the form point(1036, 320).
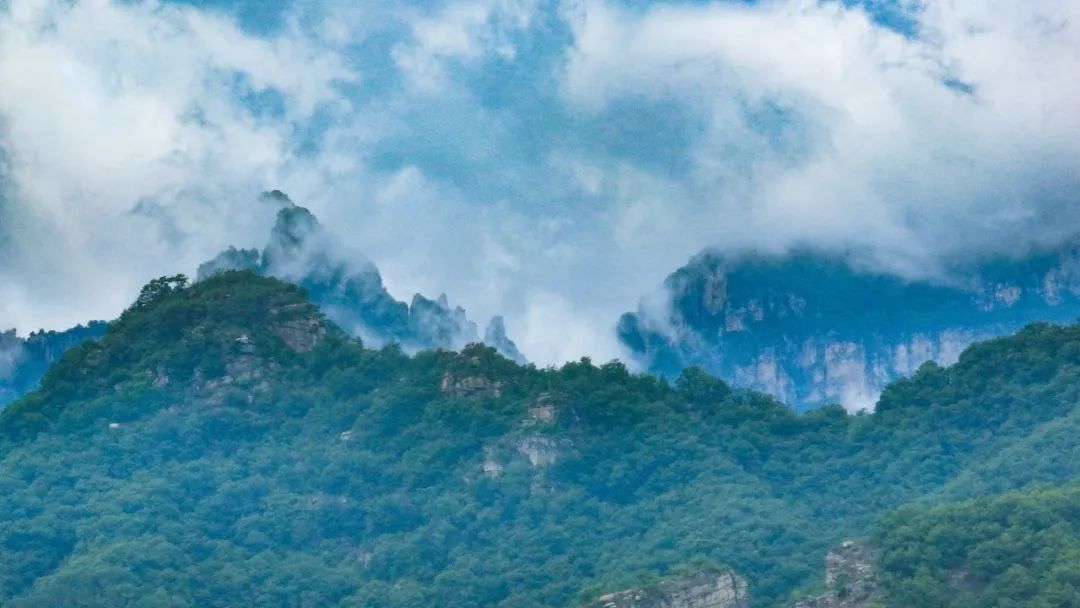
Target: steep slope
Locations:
point(351, 292)
point(223, 444)
point(24, 360)
point(811, 329)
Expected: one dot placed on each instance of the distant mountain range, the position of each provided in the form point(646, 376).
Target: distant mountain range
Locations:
point(812, 329)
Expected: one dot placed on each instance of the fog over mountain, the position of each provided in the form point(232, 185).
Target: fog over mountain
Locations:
point(548, 162)
point(349, 288)
point(527, 304)
point(814, 329)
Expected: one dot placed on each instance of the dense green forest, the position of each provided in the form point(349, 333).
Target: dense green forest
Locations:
point(1020, 549)
point(223, 444)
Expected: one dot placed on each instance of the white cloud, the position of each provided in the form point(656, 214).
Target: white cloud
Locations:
point(461, 32)
point(556, 330)
point(130, 153)
point(133, 150)
point(878, 152)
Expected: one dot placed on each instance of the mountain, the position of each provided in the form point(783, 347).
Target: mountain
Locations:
point(225, 444)
point(24, 360)
point(813, 329)
point(300, 251)
point(350, 289)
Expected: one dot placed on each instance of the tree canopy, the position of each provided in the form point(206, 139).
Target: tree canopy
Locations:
point(223, 445)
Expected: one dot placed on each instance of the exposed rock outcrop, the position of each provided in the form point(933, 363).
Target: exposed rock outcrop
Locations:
point(541, 451)
point(491, 465)
point(302, 334)
point(713, 589)
point(465, 385)
point(851, 579)
point(542, 411)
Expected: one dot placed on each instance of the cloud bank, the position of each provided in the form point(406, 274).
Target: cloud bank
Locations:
point(551, 162)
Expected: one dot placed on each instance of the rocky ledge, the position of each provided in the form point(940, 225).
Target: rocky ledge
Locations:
point(715, 589)
point(851, 579)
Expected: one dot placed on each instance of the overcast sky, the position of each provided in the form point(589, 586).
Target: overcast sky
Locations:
point(550, 161)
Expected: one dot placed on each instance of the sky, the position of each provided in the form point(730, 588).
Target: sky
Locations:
point(548, 161)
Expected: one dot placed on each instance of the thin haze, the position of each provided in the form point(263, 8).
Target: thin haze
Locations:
point(551, 162)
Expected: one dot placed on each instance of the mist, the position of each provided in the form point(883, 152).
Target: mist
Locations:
point(548, 162)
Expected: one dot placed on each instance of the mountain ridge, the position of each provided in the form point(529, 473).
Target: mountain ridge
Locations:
point(225, 428)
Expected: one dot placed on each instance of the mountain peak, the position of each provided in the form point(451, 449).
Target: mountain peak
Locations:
point(350, 288)
point(495, 336)
point(220, 334)
point(277, 197)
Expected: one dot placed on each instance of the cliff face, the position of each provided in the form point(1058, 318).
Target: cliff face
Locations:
point(851, 579)
point(722, 589)
point(813, 330)
point(24, 360)
point(350, 290)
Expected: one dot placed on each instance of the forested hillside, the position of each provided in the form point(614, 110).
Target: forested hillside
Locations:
point(224, 445)
point(1020, 549)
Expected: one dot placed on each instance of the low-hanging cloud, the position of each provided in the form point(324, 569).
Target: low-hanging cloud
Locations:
point(821, 126)
point(129, 150)
point(546, 161)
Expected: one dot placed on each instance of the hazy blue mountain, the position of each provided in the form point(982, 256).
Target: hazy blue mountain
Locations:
point(495, 337)
point(812, 329)
point(350, 289)
point(24, 360)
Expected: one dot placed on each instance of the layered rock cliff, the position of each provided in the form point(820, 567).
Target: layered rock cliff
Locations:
point(851, 579)
point(24, 360)
point(709, 589)
point(812, 329)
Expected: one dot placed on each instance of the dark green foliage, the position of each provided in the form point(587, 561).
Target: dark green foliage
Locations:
point(1021, 549)
point(206, 453)
point(160, 288)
